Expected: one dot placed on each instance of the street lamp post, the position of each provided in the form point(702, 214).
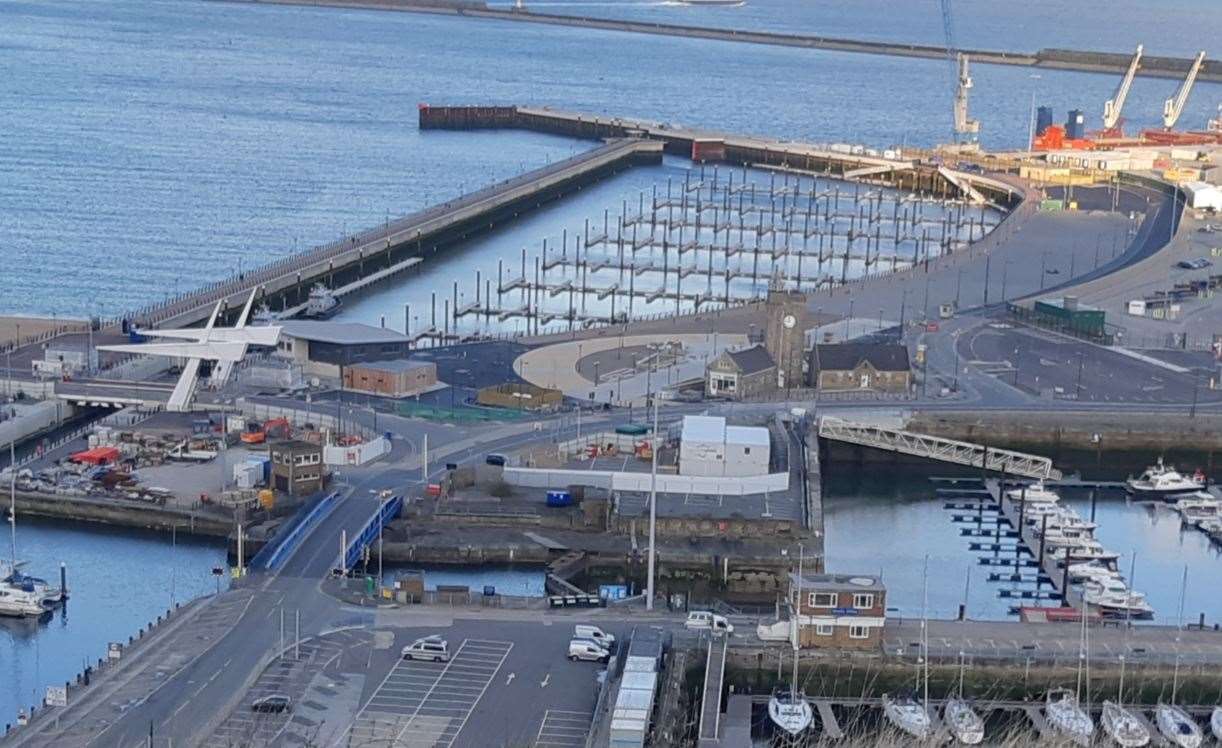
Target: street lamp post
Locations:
point(653, 508)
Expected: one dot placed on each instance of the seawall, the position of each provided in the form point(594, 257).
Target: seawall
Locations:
point(148, 517)
point(1063, 59)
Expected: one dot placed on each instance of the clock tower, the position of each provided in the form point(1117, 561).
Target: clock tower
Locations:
point(785, 334)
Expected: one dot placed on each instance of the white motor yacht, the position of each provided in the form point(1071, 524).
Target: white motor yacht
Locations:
point(1123, 726)
point(790, 711)
point(1068, 717)
point(322, 303)
point(1084, 551)
point(17, 602)
point(1034, 493)
point(1161, 482)
point(1092, 571)
point(963, 722)
point(1061, 536)
point(908, 715)
point(1177, 727)
point(1114, 599)
point(1197, 506)
point(16, 580)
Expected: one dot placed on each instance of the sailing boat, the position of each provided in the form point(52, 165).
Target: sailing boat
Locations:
point(904, 711)
point(1173, 722)
point(788, 707)
point(22, 595)
point(961, 719)
point(1063, 707)
point(1119, 723)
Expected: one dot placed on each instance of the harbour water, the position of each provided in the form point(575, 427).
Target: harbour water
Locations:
point(865, 509)
point(119, 581)
point(184, 141)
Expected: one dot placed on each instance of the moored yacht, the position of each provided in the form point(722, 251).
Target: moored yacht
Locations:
point(1035, 493)
point(1068, 717)
point(908, 715)
point(1177, 727)
point(15, 601)
point(1123, 726)
point(322, 303)
point(1114, 599)
point(790, 711)
point(1089, 550)
point(963, 722)
point(1161, 482)
point(1092, 571)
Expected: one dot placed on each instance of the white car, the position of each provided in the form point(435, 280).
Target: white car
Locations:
point(583, 649)
point(430, 648)
point(594, 634)
point(704, 620)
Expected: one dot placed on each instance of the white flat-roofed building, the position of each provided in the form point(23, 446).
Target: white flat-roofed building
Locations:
point(707, 447)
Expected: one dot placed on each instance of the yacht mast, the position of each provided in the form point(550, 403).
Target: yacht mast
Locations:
point(793, 684)
point(925, 632)
point(12, 498)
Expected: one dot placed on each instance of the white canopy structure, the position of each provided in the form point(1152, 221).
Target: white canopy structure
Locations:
point(226, 346)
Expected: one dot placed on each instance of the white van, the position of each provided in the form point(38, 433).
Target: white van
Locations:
point(596, 635)
point(583, 649)
point(701, 620)
point(431, 648)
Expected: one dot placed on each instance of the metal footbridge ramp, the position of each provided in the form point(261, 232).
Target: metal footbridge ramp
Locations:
point(891, 439)
point(710, 705)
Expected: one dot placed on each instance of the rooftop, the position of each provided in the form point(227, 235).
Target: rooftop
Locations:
point(847, 356)
point(339, 333)
point(845, 582)
point(395, 366)
point(752, 360)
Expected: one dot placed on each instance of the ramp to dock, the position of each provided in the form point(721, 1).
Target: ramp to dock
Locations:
point(710, 704)
point(937, 448)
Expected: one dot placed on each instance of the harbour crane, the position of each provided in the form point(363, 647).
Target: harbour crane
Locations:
point(965, 129)
point(1112, 122)
point(1173, 108)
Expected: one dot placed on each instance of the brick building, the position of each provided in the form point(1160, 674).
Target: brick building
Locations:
point(840, 611)
point(398, 378)
point(297, 467)
point(881, 367)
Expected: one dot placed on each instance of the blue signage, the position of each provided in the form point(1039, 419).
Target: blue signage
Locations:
point(844, 611)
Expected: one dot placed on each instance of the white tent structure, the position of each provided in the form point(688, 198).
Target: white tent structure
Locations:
point(225, 345)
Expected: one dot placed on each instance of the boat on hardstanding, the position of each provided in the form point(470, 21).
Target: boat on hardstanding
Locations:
point(1123, 726)
point(907, 715)
point(1162, 482)
point(322, 303)
point(1177, 727)
point(1068, 717)
point(963, 722)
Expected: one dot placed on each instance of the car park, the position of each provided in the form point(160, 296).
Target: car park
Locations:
point(430, 648)
point(583, 649)
point(271, 704)
point(596, 635)
point(703, 620)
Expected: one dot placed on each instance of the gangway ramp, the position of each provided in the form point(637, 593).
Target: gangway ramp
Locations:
point(710, 704)
point(892, 439)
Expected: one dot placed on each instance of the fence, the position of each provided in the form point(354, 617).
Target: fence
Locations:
point(300, 418)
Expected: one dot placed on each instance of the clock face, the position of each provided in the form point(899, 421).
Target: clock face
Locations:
point(790, 320)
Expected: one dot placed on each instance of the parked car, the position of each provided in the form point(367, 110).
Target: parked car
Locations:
point(596, 635)
point(496, 459)
point(430, 648)
point(704, 620)
point(1197, 263)
point(583, 649)
point(271, 704)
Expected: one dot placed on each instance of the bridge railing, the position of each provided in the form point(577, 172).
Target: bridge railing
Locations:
point(274, 553)
point(386, 512)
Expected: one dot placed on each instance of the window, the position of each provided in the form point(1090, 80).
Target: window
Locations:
point(823, 599)
point(746, 450)
point(824, 629)
point(859, 632)
point(863, 601)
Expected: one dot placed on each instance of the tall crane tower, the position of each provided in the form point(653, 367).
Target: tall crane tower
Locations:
point(965, 129)
point(1173, 108)
point(1113, 123)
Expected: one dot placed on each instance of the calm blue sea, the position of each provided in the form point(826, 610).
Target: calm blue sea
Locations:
point(150, 146)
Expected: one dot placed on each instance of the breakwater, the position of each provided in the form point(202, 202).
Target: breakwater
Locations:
point(1061, 59)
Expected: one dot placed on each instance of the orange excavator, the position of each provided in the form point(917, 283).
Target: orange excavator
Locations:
point(276, 428)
